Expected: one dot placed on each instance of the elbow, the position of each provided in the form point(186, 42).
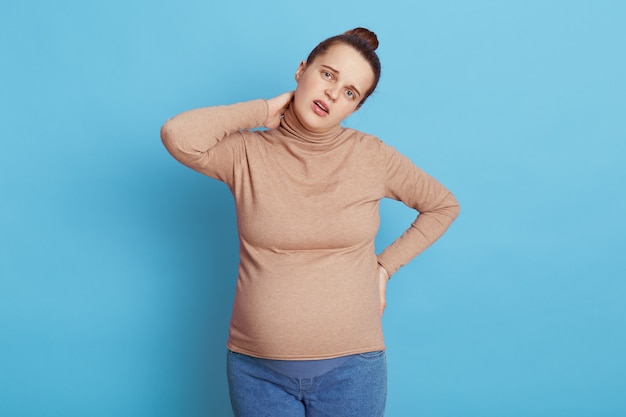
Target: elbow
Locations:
point(451, 206)
point(176, 143)
point(166, 134)
point(171, 141)
point(456, 207)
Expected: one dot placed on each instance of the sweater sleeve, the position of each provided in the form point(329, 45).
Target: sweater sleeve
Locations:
point(205, 139)
point(436, 206)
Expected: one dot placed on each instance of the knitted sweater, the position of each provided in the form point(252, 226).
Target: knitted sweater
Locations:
point(307, 215)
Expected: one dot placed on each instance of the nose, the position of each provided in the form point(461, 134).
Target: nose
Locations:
point(332, 93)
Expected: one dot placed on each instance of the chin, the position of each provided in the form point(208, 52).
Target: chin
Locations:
point(309, 121)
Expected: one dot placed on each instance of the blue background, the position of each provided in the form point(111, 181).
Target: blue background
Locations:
point(118, 265)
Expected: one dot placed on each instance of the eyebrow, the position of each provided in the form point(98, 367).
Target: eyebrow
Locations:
point(338, 72)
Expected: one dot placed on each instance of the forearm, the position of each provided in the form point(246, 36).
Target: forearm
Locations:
point(189, 136)
point(426, 229)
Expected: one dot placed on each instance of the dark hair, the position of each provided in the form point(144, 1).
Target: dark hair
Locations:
point(361, 39)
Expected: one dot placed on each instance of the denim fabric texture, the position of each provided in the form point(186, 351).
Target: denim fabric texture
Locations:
point(304, 369)
point(355, 388)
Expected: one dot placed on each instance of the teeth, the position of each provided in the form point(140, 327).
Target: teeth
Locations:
point(321, 106)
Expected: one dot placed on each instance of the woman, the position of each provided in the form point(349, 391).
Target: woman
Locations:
point(305, 335)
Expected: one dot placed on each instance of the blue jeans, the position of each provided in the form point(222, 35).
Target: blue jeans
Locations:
point(356, 388)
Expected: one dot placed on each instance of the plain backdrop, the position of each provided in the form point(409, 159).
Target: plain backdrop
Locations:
point(118, 264)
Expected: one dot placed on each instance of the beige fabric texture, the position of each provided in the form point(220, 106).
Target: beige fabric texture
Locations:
point(307, 215)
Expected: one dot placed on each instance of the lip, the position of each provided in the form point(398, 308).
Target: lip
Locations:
point(320, 108)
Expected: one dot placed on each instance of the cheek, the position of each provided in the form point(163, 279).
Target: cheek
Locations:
point(299, 102)
point(348, 109)
point(302, 89)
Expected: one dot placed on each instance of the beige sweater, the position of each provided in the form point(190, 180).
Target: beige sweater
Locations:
point(307, 214)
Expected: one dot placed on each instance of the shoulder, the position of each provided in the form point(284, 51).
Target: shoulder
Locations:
point(372, 143)
point(362, 138)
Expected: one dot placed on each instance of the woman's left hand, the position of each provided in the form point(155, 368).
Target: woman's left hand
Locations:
point(383, 278)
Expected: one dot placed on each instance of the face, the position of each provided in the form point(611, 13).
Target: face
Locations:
point(331, 87)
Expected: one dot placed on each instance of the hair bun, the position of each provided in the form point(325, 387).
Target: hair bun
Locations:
point(366, 35)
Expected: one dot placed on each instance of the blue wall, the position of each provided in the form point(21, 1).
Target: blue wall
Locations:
point(117, 264)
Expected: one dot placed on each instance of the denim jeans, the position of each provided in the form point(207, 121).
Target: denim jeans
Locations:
point(356, 388)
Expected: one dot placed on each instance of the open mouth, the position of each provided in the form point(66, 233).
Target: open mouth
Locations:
point(321, 105)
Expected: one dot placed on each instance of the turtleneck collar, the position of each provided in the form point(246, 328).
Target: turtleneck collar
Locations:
point(290, 125)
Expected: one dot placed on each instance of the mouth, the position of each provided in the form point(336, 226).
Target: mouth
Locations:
point(320, 107)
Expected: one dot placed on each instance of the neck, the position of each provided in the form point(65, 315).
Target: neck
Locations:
point(294, 127)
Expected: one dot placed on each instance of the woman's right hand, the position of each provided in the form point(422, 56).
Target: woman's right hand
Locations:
point(383, 279)
point(276, 109)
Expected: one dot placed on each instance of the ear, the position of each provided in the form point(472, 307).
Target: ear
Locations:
point(300, 70)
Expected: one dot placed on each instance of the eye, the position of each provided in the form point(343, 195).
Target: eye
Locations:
point(350, 94)
point(327, 75)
